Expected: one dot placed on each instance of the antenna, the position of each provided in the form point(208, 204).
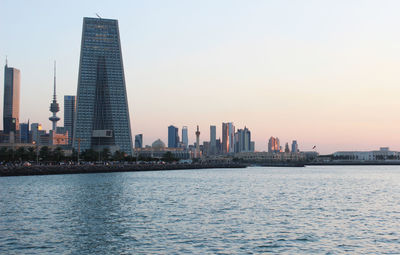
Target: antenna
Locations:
point(54, 96)
point(98, 16)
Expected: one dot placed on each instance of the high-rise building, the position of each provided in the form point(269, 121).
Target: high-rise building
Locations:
point(287, 150)
point(173, 137)
point(198, 143)
point(36, 132)
point(24, 132)
point(295, 146)
point(243, 140)
point(213, 140)
point(11, 100)
point(102, 114)
point(273, 144)
point(228, 137)
point(185, 140)
point(69, 112)
point(139, 141)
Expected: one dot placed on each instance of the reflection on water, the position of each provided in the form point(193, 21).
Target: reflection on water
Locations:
point(256, 210)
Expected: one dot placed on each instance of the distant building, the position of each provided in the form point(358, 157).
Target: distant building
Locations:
point(382, 154)
point(243, 140)
point(57, 138)
point(213, 140)
point(69, 112)
point(173, 138)
point(295, 146)
point(139, 141)
point(287, 150)
point(228, 137)
point(273, 144)
point(11, 100)
point(24, 132)
point(185, 140)
point(36, 132)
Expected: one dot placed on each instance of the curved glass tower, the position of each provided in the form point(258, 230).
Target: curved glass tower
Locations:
point(102, 114)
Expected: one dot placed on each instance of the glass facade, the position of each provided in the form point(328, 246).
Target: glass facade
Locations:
point(69, 112)
point(102, 115)
point(173, 138)
point(11, 100)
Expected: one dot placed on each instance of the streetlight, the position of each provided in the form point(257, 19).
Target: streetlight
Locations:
point(37, 152)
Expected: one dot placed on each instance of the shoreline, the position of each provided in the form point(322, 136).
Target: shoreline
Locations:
point(86, 169)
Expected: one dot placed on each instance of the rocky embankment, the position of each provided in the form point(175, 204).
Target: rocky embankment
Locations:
point(84, 169)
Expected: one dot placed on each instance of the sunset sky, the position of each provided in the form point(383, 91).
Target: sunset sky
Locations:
point(324, 73)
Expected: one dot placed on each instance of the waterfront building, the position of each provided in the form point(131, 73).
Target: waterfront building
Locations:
point(273, 144)
point(173, 137)
point(139, 141)
point(295, 146)
point(382, 154)
point(24, 132)
point(185, 140)
point(102, 114)
point(213, 140)
point(243, 140)
point(11, 100)
point(158, 150)
point(228, 137)
point(69, 112)
point(56, 138)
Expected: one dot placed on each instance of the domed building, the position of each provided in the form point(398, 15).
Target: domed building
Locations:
point(158, 144)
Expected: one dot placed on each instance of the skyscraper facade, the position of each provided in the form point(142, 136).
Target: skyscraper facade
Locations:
point(138, 141)
point(243, 140)
point(173, 137)
point(213, 140)
point(295, 146)
point(102, 114)
point(185, 139)
point(24, 132)
point(69, 112)
point(11, 100)
point(228, 137)
point(273, 144)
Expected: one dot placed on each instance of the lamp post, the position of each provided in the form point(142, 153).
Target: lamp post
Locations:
point(37, 151)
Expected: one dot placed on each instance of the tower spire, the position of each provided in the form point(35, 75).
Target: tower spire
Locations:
point(54, 108)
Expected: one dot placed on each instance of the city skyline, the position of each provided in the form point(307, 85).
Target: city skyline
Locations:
point(313, 77)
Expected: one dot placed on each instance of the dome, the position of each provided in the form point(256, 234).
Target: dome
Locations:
point(158, 144)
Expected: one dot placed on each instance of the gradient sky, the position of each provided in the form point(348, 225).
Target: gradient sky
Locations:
point(323, 72)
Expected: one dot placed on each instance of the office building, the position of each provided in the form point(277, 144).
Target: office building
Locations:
point(138, 141)
point(24, 132)
point(102, 114)
point(243, 140)
point(228, 137)
point(69, 112)
point(295, 146)
point(213, 140)
point(11, 100)
point(185, 140)
point(36, 132)
point(287, 150)
point(173, 137)
point(273, 144)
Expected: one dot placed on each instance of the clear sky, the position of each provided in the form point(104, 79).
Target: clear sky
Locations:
point(323, 72)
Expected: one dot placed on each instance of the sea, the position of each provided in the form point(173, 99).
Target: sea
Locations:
point(254, 210)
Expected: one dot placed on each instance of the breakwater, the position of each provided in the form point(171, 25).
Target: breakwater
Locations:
point(84, 169)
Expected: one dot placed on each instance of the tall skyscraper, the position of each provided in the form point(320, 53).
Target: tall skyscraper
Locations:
point(138, 141)
point(173, 137)
point(295, 146)
point(213, 140)
point(243, 140)
point(69, 112)
point(228, 137)
point(273, 144)
point(54, 108)
point(36, 132)
point(185, 139)
point(11, 99)
point(102, 114)
point(197, 142)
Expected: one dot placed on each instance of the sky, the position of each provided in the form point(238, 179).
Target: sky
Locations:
point(324, 73)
